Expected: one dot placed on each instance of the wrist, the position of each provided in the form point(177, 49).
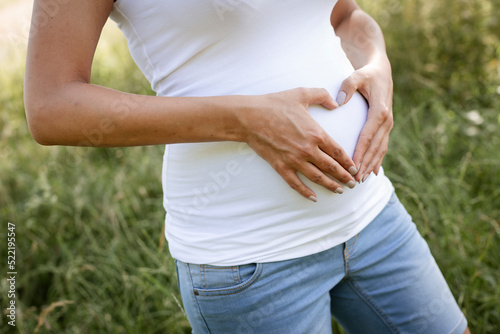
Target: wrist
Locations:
point(238, 112)
point(381, 60)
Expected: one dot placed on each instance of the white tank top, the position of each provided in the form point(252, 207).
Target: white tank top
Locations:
point(226, 205)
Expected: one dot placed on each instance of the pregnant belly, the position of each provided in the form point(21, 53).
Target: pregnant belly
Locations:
point(203, 179)
point(343, 124)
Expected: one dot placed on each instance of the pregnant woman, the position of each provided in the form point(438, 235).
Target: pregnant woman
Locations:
point(278, 211)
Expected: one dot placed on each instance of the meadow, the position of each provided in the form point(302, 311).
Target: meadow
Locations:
point(90, 253)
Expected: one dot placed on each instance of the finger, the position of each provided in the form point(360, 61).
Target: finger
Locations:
point(375, 152)
point(317, 176)
point(335, 151)
point(296, 184)
point(347, 88)
point(377, 168)
point(287, 173)
point(364, 141)
point(368, 138)
point(375, 162)
point(380, 157)
point(333, 169)
point(319, 96)
point(378, 125)
point(367, 160)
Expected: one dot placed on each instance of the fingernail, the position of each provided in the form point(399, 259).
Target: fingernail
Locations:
point(339, 191)
point(365, 177)
point(313, 199)
point(353, 170)
point(341, 98)
point(351, 184)
point(333, 102)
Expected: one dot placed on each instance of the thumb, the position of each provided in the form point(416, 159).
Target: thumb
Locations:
point(346, 90)
point(322, 97)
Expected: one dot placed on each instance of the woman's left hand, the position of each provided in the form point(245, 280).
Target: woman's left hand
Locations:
point(374, 82)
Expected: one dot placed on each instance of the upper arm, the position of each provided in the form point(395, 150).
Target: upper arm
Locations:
point(342, 10)
point(63, 39)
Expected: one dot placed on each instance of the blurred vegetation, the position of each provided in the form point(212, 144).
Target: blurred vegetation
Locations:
point(90, 252)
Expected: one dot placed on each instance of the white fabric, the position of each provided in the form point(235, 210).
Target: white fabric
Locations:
point(225, 205)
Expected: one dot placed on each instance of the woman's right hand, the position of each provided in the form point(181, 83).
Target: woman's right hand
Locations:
point(280, 129)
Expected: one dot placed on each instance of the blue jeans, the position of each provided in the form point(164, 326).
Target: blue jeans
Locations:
point(383, 280)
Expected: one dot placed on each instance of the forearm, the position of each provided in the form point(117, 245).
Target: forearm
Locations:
point(363, 42)
point(362, 39)
point(84, 114)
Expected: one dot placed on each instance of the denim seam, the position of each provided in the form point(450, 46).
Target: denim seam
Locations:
point(240, 289)
point(347, 255)
point(351, 249)
point(462, 318)
point(192, 295)
point(204, 269)
point(371, 303)
point(236, 274)
point(354, 245)
point(347, 265)
point(202, 275)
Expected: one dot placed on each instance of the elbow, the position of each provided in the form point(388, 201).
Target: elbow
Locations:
point(39, 133)
point(38, 117)
point(49, 110)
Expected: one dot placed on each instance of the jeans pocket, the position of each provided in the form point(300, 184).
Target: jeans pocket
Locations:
point(218, 281)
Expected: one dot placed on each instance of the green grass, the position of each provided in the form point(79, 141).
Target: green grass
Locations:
point(90, 252)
